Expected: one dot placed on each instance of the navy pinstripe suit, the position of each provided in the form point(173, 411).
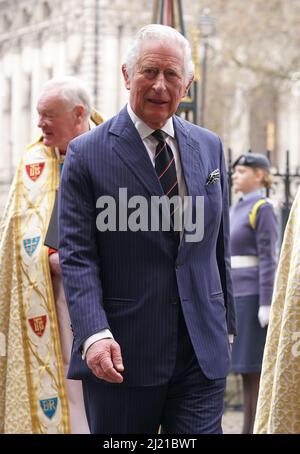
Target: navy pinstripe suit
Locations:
point(138, 284)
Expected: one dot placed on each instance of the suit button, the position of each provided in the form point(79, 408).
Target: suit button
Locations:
point(174, 301)
point(178, 265)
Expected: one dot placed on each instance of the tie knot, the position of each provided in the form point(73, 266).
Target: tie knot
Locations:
point(158, 134)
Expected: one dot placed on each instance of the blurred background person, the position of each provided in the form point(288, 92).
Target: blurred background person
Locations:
point(278, 407)
point(35, 397)
point(253, 238)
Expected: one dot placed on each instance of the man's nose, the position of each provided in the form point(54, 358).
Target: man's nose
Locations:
point(41, 122)
point(160, 82)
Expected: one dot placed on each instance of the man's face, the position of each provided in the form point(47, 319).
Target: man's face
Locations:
point(157, 83)
point(58, 123)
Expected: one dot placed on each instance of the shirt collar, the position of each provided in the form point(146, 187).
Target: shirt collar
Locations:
point(251, 195)
point(144, 130)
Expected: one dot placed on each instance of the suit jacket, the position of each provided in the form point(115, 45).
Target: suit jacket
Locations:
point(134, 282)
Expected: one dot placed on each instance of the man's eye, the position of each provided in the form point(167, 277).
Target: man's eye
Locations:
point(171, 74)
point(150, 71)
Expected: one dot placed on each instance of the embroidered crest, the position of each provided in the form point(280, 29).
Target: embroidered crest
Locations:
point(35, 170)
point(38, 324)
point(30, 244)
point(49, 406)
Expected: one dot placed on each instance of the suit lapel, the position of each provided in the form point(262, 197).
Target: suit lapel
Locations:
point(192, 168)
point(191, 158)
point(131, 150)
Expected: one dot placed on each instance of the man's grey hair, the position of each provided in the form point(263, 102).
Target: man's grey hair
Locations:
point(162, 33)
point(71, 90)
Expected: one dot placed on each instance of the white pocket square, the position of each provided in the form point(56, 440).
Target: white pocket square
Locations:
point(213, 177)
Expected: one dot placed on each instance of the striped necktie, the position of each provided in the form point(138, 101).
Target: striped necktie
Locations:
point(165, 167)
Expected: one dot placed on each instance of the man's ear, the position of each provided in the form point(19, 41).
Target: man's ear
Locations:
point(125, 76)
point(187, 87)
point(79, 113)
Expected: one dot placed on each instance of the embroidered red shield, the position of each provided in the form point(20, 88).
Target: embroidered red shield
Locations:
point(38, 324)
point(35, 170)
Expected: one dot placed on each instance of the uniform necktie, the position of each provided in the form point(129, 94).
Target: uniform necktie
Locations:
point(165, 167)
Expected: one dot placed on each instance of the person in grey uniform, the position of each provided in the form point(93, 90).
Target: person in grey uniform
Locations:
point(253, 236)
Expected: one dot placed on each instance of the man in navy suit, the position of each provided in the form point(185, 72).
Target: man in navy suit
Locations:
point(151, 308)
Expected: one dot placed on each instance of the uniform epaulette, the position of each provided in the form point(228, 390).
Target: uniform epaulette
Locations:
point(255, 209)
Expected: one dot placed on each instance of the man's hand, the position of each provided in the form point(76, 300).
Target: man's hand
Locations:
point(264, 315)
point(54, 264)
point(105, 360)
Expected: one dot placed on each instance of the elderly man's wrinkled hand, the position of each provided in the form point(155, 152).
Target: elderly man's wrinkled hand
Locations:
point(105, 360)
